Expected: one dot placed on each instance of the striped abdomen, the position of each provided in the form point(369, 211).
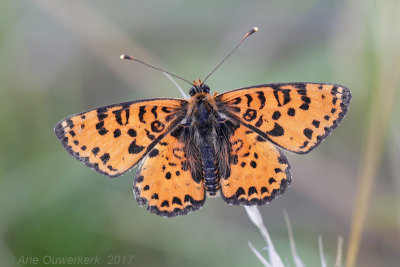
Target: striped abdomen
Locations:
point(210, 169)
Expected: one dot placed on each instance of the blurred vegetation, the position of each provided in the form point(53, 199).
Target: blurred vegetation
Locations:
point(62, 57)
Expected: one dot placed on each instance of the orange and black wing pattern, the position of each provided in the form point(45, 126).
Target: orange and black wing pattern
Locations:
point(164, 183)
point(259, 172)
point(294, 116)
point(112, 139)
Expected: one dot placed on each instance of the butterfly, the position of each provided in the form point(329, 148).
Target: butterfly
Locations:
point(227, 144)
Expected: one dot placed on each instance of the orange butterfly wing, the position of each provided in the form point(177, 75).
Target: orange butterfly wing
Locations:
point(259, 171)
point(294, 116)
point(112, 139)
point(164, 182)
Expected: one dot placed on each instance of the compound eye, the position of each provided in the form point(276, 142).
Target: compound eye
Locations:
point(192, 91)
point(206, 89)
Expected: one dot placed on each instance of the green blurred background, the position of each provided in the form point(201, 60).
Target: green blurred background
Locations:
point(62, 57)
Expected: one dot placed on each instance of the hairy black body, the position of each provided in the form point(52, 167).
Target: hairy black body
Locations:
point(206, 137)
point(203, 118)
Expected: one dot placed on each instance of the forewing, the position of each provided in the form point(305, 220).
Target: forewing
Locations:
point(258, 170)
point(164, 182)
point(295, 116)
point(112, 139)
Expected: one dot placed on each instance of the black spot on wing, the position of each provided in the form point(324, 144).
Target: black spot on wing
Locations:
point(111, 168)
point(277, 97)
point(99, 125)
point(306, 102)
point(253, 164)
point(306, 99)
point(302, 91)
point(259, 122)
point(189, 199)
point(134, 148)
point(142, 111)
point(262, 99)
point(132, 132)
point(157, 126)
point(252, 190)
point(139, 179)
point(236, 101)
point(166, 109)
point(286, 96)
point(250, 114)
point(103, 131)
point(117, 133)
point(149, 135)
point(264, 190)
point(101, 115)
point(118, 116)
point(100, 128)
point(95, 151)
point(304, 106)
point(334, 90)
point(315, 123)
point(153, 153)
point(276, 115)
point(305, 144)
point(240, 142)
point(69, 123)
point(105, 157)
point(291, 112)
point(154, 111)
point(177, 201)
point(249, 99)
point(165, 203)
point(276, 131)
point(308, 133)
point(240, 191)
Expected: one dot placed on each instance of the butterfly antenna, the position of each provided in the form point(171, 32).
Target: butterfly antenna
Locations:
point(234, 49)
point(148, 65)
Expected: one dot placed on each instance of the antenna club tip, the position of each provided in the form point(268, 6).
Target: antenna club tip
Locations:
point(125, 57)
point(255, 29)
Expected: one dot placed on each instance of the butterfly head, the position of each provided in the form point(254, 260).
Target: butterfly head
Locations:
point(199, 87)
